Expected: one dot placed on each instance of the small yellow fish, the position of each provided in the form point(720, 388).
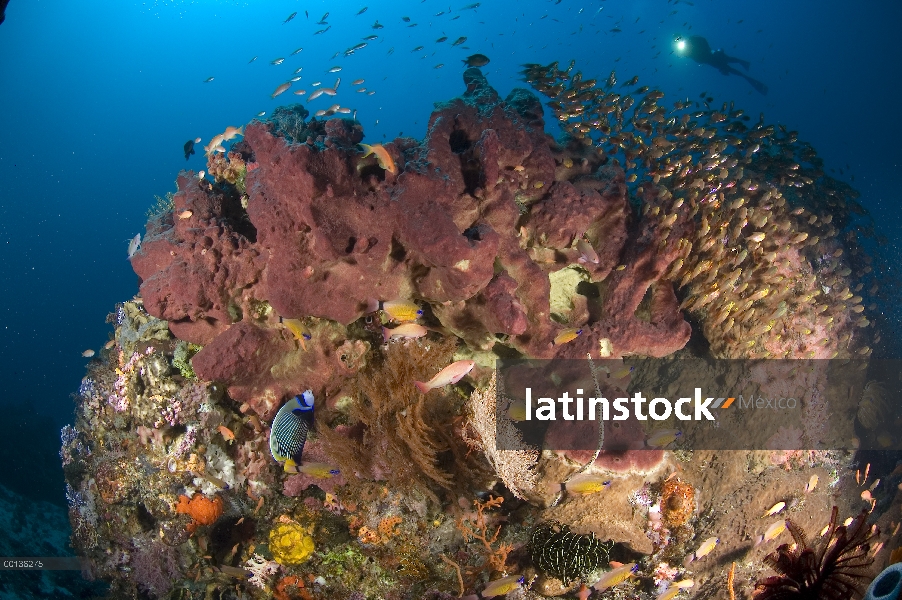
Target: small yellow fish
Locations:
point(450, 374)
point(772, 532)
point(503, 586)
point(185, 214)
point(774, 509)
point(669, 593)
point(660, 438)
point(382, 156)
point(405, 330)
point(319, 470)
point(590, 484)
point(88, 353)
point(399, 311)
point(616, 576)
point(812, 483)
point(705, 549)
point(567, 335)
point(675, 588)
point(517, 410)
point(622, 372)
point(297, 329)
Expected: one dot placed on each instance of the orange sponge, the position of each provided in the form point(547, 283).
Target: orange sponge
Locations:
point(201, 509)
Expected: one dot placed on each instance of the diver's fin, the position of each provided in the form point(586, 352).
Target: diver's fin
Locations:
point(759, 86)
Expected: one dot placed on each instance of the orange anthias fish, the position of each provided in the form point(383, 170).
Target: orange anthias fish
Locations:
point(587, 252)
point(232, 132)
point(450, 374)
point(405, 330)
point(382, 156)
point(226, 433)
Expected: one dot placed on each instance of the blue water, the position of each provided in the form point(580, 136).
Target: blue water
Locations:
point(98, 98)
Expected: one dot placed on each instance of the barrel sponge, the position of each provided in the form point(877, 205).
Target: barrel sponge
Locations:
point(887, 585)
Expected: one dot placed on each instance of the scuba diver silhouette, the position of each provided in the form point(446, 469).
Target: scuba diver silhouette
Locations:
point(698, 49)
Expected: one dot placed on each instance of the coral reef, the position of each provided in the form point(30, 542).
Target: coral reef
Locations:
point(742, 218)
point(265, 279)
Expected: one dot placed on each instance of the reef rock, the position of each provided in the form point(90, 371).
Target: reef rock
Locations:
point(470, 222)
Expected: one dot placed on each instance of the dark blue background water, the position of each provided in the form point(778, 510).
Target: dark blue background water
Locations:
point(97, 99)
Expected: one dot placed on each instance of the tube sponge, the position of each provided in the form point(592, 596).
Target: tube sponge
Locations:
point(887, 585)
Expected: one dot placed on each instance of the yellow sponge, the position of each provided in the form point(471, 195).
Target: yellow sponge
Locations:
point(290, 544)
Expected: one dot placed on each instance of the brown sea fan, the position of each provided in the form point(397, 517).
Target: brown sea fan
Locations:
point(832, 570)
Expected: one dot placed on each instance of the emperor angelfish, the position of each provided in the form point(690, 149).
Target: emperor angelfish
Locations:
point(289, 430)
